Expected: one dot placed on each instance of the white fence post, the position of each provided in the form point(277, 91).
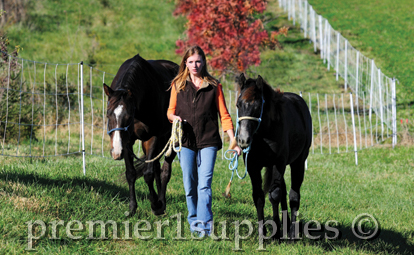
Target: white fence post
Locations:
point(320, 125)
point(327, 122)
point(353, 129)
point(337, 55)
point(394, 114)
point(381, 104)
point(346, 65)
point(305, 26)
point(82, 120)
point(371, 90)
point(321, 46)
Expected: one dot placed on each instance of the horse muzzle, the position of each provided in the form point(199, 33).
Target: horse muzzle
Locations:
point(243, 142)
point(116, 155)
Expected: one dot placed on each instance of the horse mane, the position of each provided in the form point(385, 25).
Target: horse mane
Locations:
point(137, 72)
point(272, 97)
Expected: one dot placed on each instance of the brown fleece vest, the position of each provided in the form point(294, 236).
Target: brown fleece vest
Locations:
point(198, 110)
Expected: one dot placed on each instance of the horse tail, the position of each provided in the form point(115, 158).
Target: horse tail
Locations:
point(139, 165)
point(267, 180)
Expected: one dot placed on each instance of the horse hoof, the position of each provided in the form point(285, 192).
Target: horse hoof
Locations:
point(159, 213)
point(158, 210)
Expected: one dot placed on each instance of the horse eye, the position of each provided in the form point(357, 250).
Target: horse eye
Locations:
point(238, 104)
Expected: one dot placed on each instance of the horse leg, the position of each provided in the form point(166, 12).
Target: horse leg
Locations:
point(150, 172)
point(131, 177)
point(277, 194)
point(297, 174)
point(258, 194)
point(165, 176)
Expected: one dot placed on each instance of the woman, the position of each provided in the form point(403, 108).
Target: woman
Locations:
point(196, 99)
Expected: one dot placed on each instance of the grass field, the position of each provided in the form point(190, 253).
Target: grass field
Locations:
point(104, 33)
point(334, 193)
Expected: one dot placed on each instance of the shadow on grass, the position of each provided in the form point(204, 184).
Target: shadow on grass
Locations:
point(118, 189)
point(385, 241)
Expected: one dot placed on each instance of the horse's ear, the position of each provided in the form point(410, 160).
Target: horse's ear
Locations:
point(241, 80)
point(108, 90)
point(259, 82)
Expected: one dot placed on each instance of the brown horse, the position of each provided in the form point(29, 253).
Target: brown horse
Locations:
point(137, 109)
point(274, 130)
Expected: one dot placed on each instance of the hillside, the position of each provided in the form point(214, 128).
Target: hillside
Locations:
point(104, 33)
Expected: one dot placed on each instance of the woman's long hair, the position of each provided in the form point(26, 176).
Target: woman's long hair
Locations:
point(180, 80)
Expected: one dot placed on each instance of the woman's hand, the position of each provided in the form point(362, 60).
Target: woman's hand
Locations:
point(173, 117)
point(233, 142)
point(238, 149)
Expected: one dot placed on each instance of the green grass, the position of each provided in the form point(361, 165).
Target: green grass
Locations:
point(334, 189)
point(101, 33)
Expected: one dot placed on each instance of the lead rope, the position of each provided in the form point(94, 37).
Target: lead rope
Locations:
point(176, 136)
point(234, 160)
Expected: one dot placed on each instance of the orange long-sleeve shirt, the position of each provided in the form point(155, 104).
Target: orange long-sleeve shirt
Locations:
point(225, 117)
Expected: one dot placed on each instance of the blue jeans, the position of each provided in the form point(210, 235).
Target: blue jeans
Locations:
point(198, 167)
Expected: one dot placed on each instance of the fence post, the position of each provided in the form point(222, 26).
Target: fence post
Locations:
point(346, 65)
point(82, 121)
point(394, 114)
point(353, 128)
point(320, 125)
point(289, 9)
point(357, 74)
point(314, 29)
point(337, 56)
point(329, 46)
point(381, 104)
point(305, 26)
point(327, 122)
point(371, 90)
point(321, 45)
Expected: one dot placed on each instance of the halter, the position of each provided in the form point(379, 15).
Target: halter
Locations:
point(121, 128)
point(234, 160)
point(250, 118)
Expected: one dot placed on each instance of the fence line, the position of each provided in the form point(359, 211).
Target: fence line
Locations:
point(360, 73)
point(59, 109)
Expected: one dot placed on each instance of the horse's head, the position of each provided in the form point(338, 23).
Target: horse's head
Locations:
point(120, 114)
point(249, 109)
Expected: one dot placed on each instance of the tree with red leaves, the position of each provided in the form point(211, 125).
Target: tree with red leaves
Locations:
point(227, 31)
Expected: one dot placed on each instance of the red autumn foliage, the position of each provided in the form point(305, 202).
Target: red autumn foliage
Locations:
point(227, 31)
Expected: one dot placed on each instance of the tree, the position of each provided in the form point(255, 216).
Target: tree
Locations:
point(227, 31)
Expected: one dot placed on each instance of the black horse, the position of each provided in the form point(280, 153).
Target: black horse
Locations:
point(275, 130)
point(137, 109)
